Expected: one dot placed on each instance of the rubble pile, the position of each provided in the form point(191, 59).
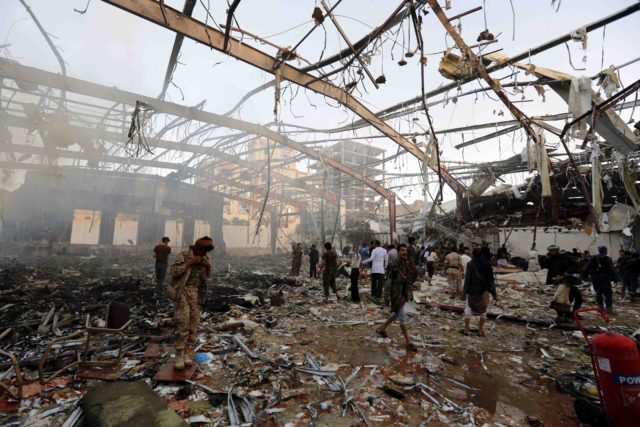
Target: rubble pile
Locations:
point(270, 353)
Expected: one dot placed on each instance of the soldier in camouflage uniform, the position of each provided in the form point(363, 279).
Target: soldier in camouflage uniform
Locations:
point(329, 269)
point(189, 274)
point(296, 259)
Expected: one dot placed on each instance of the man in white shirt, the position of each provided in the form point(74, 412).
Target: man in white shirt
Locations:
point(379, 261)
point(465, 258)
point(431, 257)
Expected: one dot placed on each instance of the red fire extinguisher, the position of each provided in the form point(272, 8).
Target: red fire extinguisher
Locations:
point(616, 365)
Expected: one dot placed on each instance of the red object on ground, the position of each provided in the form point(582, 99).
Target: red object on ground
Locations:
point(168, 373)
point(616, 365)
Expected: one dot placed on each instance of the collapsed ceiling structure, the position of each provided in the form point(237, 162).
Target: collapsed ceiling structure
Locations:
point(132, 129)
point(73, 123)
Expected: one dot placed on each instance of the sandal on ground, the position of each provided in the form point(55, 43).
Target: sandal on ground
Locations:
point(480, 334)
point(463, 332)
point(383, 334)
point(412, 347)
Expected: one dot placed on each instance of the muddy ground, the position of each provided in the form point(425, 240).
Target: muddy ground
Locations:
point(507, 377)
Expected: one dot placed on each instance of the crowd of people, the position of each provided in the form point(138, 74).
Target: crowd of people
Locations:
point(470, 273)
point(393, 271)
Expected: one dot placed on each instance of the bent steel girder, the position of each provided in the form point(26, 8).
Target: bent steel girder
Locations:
point(209, 36)
point(6, 164)
point(345, 53)
point(479, 68)
point(77, 155)
point(519, 57)
point(95, 133)
point(189, 5)
point(20, 72)
point(17, 71)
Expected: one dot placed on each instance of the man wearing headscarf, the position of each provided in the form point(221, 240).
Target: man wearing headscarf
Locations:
point(189, 275)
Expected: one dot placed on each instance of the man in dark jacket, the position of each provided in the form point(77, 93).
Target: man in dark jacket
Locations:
point(401, 276)
point(602, 272)
point(557, 264)
point(412, 250)
point(479, 283)
point(314, 257)
point(568, 298)
point(631, 274)
point(486, 251)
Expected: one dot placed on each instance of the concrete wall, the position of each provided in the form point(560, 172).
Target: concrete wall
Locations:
point(126, 230)
point(239, 240)
point(519, 243)
point(85, 229)
point(51, 209)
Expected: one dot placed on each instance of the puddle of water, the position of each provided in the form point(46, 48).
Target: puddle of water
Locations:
point(499, 395)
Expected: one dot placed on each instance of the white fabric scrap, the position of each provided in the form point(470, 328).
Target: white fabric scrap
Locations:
point(580, 103)
point(580, 35)
point(609, 81)
point(596, 177)
point(542, 162)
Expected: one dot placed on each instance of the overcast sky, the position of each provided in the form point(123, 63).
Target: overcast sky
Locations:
point(111, 47)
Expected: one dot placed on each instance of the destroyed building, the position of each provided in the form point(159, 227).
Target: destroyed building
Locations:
point(252, 127)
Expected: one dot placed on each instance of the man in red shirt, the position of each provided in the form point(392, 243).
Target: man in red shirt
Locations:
point(161, 254)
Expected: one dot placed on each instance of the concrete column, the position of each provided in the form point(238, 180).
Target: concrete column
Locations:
point(107, 226)
point(187, 231)
point(150, 228)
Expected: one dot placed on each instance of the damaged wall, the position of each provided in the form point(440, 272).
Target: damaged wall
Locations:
point(43, 210)
point(520, 241)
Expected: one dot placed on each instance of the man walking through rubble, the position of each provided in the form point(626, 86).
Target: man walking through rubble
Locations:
point(602, 273)
point(364, 254)
point(431, 257)
point(296, 259)
point(161, 253)
point(329, 269)
point(314, 257)
point(379, 260)
point(402, 274)
point(355, 257)
point(479, 283)
point(189, 275)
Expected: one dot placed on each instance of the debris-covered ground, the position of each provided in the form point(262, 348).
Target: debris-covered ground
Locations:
point(271, 352)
